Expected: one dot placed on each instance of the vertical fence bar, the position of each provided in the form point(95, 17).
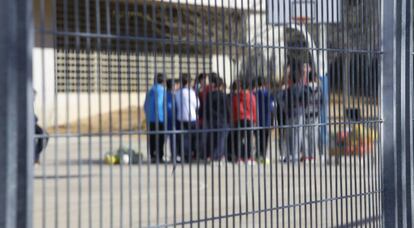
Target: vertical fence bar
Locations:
point(388, 97)
point(409, 109)
point(410, 102)
point(406, 77)
point(16, 111)
point(396, 143)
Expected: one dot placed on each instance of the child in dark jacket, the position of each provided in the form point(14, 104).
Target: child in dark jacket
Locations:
point(232, 137)
point(216, 119)
point(265, 105)
point(42, 138)
point(41, 142)
point(295, 98)
point(171, 117)
point(203, 90)
point(313, 106)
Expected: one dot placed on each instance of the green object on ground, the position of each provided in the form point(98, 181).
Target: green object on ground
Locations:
point(124, 156)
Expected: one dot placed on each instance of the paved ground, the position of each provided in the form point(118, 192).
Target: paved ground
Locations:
point(72, 188)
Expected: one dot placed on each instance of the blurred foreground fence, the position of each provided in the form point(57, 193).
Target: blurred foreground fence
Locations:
point(121, 113)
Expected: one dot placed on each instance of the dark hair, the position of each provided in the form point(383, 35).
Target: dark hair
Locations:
point(160, 78)
point(213, 77)
point(261, 81)
point(312, 77)
point(219, 82)
point(235, 85)
point(185, 79)
point(170, 84)
point(201, 76)
point(296, 71)
point(254, 82)
point(245, 84)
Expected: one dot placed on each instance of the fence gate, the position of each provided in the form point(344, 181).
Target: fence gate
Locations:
point(206, 113)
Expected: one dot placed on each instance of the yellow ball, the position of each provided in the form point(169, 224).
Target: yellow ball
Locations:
point(110, 159)
point(117, 159)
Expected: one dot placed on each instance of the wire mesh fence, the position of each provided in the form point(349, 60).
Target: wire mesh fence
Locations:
point(207, 113)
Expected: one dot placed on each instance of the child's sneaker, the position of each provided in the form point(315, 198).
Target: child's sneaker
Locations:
point(264, 161)
point(322, 159)
point(177, 160)
point(219, 162)
point(239, 161)
point(284, 159)
point(307, 159)
point(250, 161)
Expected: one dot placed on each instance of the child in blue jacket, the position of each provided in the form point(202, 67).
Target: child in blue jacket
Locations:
point(154, 112)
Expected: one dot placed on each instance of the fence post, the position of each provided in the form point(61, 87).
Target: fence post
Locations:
point(406, 112)
point(396, 138)
point(16, 113)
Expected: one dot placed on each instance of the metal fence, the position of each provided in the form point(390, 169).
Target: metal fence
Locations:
point(206, 113)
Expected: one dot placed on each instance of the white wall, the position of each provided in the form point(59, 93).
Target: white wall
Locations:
point(225, 67)
point(44, 83)
point(59, 108)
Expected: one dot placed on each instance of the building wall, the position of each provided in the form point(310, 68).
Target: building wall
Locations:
point(68, 87)
point(75, 83)
point(96, 91)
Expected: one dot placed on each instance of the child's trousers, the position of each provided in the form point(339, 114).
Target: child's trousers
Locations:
point(311, 140)
point(295, 136)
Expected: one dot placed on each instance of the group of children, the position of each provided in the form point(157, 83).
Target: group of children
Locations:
point(202, 122)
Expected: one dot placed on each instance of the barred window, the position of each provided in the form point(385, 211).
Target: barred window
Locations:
point(117, 62)
point(75, 71)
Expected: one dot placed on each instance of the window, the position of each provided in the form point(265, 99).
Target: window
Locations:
point(105, 64)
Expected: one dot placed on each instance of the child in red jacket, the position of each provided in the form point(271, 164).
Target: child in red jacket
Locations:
point(244, 117)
